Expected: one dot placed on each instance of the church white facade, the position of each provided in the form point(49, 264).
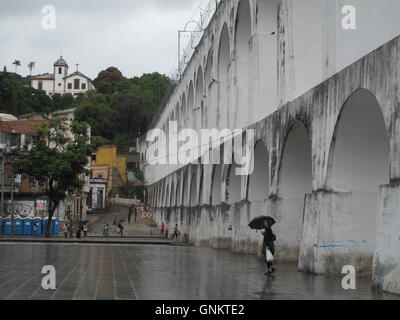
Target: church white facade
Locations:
point(60, 81)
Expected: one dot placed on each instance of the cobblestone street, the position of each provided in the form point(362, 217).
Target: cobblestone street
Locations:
point(159, 272)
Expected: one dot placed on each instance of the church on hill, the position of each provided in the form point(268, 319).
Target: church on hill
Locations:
point(60, 81)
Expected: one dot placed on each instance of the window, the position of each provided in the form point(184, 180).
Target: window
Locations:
point(40, 85)
point(77, 83)
point(70, 86)
point(59, 70)
point(94, 157)
point(83, 86)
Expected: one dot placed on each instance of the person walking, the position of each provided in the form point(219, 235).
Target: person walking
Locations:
point(162, 228)
point(176, 232)
point(79, 232)
point(85, 230)
point(66, 231)
point(269, 246)
point(106, 230)
point(114, 228)
point(71, 230)
point(121, 228)
point(131, 209)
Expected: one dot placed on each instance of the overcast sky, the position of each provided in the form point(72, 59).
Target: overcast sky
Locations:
point(136, 36)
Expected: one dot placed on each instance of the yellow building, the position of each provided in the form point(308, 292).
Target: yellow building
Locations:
point(107, 157)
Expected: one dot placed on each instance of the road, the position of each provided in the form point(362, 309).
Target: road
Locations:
point(129, 272)
point(141, 228)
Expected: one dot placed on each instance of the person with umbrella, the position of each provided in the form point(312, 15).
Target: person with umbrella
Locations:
point(268, 250)
point(269, 246)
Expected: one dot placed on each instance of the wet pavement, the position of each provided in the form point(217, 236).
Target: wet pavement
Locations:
point(159, 272)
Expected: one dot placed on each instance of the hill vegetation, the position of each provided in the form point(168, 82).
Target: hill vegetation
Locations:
point(121, 109)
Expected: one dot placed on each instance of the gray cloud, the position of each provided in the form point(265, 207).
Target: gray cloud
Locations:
point(134, 35)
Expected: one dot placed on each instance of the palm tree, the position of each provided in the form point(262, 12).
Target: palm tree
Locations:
point(31, 66)
point(17, 64)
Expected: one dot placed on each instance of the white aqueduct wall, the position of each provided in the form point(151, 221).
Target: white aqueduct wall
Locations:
point(324, 106)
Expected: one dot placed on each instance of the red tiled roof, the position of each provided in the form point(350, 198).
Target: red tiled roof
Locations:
point(22, 116)
point(22, 126)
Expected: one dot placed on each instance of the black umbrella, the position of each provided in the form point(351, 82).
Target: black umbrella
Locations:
point(258, 223)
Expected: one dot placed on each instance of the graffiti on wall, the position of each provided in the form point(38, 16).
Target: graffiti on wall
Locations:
point(24, 209)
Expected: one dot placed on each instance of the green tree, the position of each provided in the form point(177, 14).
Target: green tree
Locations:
point(17, 64)
point(108, 80)
point(16, 98)
point(58, 159)
point(98, 115)
point(63, 101)
point(31, 66)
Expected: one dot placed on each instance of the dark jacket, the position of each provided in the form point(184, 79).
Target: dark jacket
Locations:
point(269, 239)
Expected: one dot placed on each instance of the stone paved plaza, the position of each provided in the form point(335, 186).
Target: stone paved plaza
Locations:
point(159, 272)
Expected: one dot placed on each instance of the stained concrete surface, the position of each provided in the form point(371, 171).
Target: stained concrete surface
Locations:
point(157, 272)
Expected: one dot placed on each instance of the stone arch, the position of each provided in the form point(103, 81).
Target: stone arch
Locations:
point(177, 112)
point(201, 184)
point(216, 181)
point(208, 69)
point(210, 106)
point(190, 100)
point(183, 108)
point(367, 165)
point(162, 194)
point(295, 182)
point(224, 53)
point(233, 185)
point(172, 196)
point(185, 189)
point(359, 163)
point(193, 201)
point(178, 191)
point(243, 32)
point(167, 198)
point(199, 105)
point(258, 184)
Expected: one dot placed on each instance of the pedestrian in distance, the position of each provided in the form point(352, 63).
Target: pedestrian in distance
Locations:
point(106, 230)
point(131, 209)
point(121, 228)
point(66, 231)
point(162, 228)
point(269, 247)
point(85, 230)
point(34, 228)
point(78, 232)
point(114, 228)
point(176, 233)
point(71, 230)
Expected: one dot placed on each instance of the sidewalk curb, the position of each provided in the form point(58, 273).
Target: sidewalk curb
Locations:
point(105, 242)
